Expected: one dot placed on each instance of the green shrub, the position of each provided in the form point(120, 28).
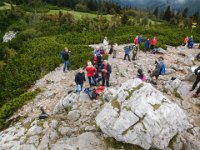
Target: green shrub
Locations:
point(12, 106)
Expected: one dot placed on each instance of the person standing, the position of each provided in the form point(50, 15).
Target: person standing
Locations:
point(127, 52)
point(91, 70)
point(115, 51)
point(197, 73)
point(106, 71)
point(80, 79)
point(65, 57)
point(136, 42)
point(185, 41)
point(153, 43)
point(111, 50)
point(146, 45)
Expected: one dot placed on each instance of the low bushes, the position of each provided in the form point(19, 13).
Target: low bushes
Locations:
point(8, 109)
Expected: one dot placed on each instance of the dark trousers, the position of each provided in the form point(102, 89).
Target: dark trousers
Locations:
point(90, 81)
point(105, 79)
point(195, 84)
point(126, 56)
point(152, 47)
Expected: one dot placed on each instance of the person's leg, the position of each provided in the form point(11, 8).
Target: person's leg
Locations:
point(94, 80)
point(107, 80)
point(81, 86)
point(103, 80)
point(89, 79)
point(125, 56)
point(65, 65)
point(195, 83)
point(129, 57)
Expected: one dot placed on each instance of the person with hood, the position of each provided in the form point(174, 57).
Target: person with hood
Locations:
point(65, 56)
point(185, 41)
point(197, 73)
point(106, 71)
point(79, 80)
point(141, 75)
point(153, 43)
point(159, 69)
point(146, 45)
point(91, 70)
point(127, 52)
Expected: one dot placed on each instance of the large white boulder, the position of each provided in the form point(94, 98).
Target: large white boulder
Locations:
point(140, 115)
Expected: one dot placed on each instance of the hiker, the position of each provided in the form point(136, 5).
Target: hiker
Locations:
point(102, 52)
point(197, 73)
point(146, 45)
point(141, 75)
point(136, 42)
point(91, 70)
point(134, 52)
point(127, 52)
point(115, 51)
point(140, 39)
point(190, 42)
point(159, 69)
point(106, 71)
point(43, 115)
point(80, 79)
point(99, 61)
point(153, 43)
point(96, 51)
point(185, 41)
point(111, 50)
point(65, 56)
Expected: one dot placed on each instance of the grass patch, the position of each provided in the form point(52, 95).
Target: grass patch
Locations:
point(112, 143)
point(156, 107)
point(132, 126)
point(115, 103)
point(176, 94)
point(128, 108)
point(172, 141)
point(130, 92)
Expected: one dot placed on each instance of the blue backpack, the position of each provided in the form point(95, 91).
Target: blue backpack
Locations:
point(163, 69)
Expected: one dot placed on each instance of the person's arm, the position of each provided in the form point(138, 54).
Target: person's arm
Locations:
point(196, 70)
point(109, 70)
point(75, 78)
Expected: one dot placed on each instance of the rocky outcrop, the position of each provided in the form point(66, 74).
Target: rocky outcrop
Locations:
point(9, 36)
point(139, 114)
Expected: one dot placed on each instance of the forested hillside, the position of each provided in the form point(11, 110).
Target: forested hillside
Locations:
point(44, 28)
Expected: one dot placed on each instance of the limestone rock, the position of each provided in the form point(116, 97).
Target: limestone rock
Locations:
point(139, 114)
point(73, 115)
point(9, 36)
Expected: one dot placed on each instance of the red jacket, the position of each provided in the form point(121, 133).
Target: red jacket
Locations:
point(95, 59)
point(153, 41)
point(90, 71)
point(136, 41)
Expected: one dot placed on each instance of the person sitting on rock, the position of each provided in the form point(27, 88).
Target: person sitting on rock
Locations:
point(43, 115)
point(106, 71)
point(141, 75)
point(127, 52)
point(79, 80)
point(158, 69)
point(91, 70)
point(197, 72)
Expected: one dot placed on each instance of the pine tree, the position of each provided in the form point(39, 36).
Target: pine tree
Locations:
point(167, 15)
point(156, 12)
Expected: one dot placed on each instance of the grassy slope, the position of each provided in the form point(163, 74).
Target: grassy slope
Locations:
point(77, 15)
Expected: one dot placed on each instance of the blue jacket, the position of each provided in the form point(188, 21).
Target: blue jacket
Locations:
point(140, 39)
point(147, 44)
point(127, 49)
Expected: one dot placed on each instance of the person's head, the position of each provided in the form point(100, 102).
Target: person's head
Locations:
point(42, 110)
point(105, 62)
point(81, 70)
point(160, 58)
point(66, 49)
point(89, 63)
point(140, 72)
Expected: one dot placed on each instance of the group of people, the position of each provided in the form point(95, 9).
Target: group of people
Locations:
point(189, 41)
point(99, 70)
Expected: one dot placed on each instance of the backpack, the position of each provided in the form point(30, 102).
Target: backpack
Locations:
point(91, 93)
point(163, 69)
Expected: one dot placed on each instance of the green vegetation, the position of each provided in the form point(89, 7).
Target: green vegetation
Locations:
point(6, 6)
point(130, 93)
point(115, 103)
point(11, 107)
point(156, 107)
point(112, 143)
point(172, 141)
